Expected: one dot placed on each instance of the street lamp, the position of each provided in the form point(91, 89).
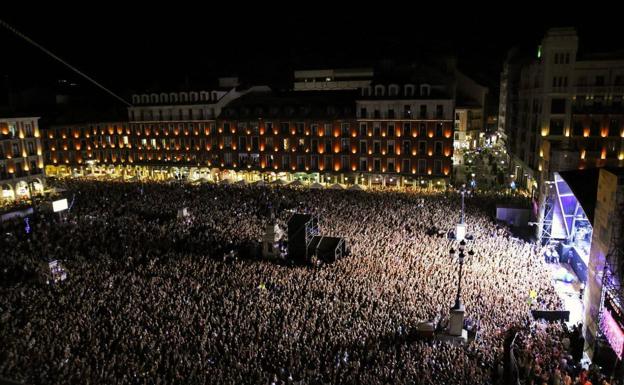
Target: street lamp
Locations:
point(456, 325)
point(462, 191)
point(461, 255)
point(460, 229)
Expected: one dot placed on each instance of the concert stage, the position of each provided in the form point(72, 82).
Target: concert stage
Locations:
point(568, 219)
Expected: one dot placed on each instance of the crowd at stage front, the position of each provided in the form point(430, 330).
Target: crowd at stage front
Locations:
point(150, 299)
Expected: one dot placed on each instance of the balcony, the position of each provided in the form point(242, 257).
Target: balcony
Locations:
point(597, 109)
point(583, 89)
point(8, 136)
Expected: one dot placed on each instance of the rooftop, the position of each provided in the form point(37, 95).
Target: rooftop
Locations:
point(300, 104)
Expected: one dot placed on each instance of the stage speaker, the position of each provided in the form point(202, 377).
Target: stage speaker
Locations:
point(551, 315)
point(301, 230)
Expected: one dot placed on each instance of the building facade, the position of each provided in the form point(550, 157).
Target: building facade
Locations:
point(86, 148)
point(21, 160)
point(386, 135)
point(332, 79)
point(405, 129)
point(563, 111)
point(573, 102)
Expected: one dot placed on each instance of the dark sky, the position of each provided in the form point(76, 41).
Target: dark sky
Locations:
point(129, 48)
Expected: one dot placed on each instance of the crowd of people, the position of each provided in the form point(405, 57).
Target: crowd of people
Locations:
point(550, 353)
point(149, 298)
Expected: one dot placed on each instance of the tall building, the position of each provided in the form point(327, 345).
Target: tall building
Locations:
point(470, 112)
point(21, 160)
point(562, 110)
point(406, 129)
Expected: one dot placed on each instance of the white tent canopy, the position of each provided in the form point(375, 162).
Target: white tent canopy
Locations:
point(356, 187)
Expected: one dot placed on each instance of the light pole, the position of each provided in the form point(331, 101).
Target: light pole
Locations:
point(462, 191)
point(460, 229)
point(456, 325)
point(461, 255)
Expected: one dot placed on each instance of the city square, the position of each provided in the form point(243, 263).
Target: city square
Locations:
point(312, 211)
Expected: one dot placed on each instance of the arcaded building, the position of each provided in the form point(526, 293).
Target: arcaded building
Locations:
point(382, 135)
point(21, 160)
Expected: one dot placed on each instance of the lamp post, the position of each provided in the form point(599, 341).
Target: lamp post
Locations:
point(461, 255)
point(462, 191)
point(460, 230)
point(456, 327)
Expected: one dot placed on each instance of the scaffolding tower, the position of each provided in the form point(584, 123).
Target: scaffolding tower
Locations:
point(549, 206)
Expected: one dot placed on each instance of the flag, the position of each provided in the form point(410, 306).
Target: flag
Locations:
point(533, 294)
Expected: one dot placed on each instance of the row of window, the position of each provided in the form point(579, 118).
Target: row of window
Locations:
point(392, 129)
point(599, 80)
point(393, 90)
point(562, 58)
point(595, 128)
point(407, 113)
point(171, 114)
point(581, 81)
point(182, 97)
point(300, 144)
point(11, 130)
point(14, 150)
point(560, 81)
point(19, 170)
point(579, 103)
point(286, 162)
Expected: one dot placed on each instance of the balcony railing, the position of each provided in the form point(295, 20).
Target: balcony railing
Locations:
point(598, 109)
point(599, 89)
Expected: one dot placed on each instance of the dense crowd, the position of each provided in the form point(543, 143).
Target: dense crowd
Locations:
point(150, 299)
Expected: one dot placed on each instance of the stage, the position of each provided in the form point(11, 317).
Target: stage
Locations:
point(567, 226)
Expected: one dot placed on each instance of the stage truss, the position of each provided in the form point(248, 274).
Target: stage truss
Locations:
point(549, 205)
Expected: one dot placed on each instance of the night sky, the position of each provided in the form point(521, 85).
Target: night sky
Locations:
point(137, 48)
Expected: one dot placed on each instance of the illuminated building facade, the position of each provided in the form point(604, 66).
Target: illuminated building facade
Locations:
point(564, 111)
point(76, 146)
point(405, 129)
point(21, 160)
point(571, 101)
point(165, 134)
point(339, 136)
